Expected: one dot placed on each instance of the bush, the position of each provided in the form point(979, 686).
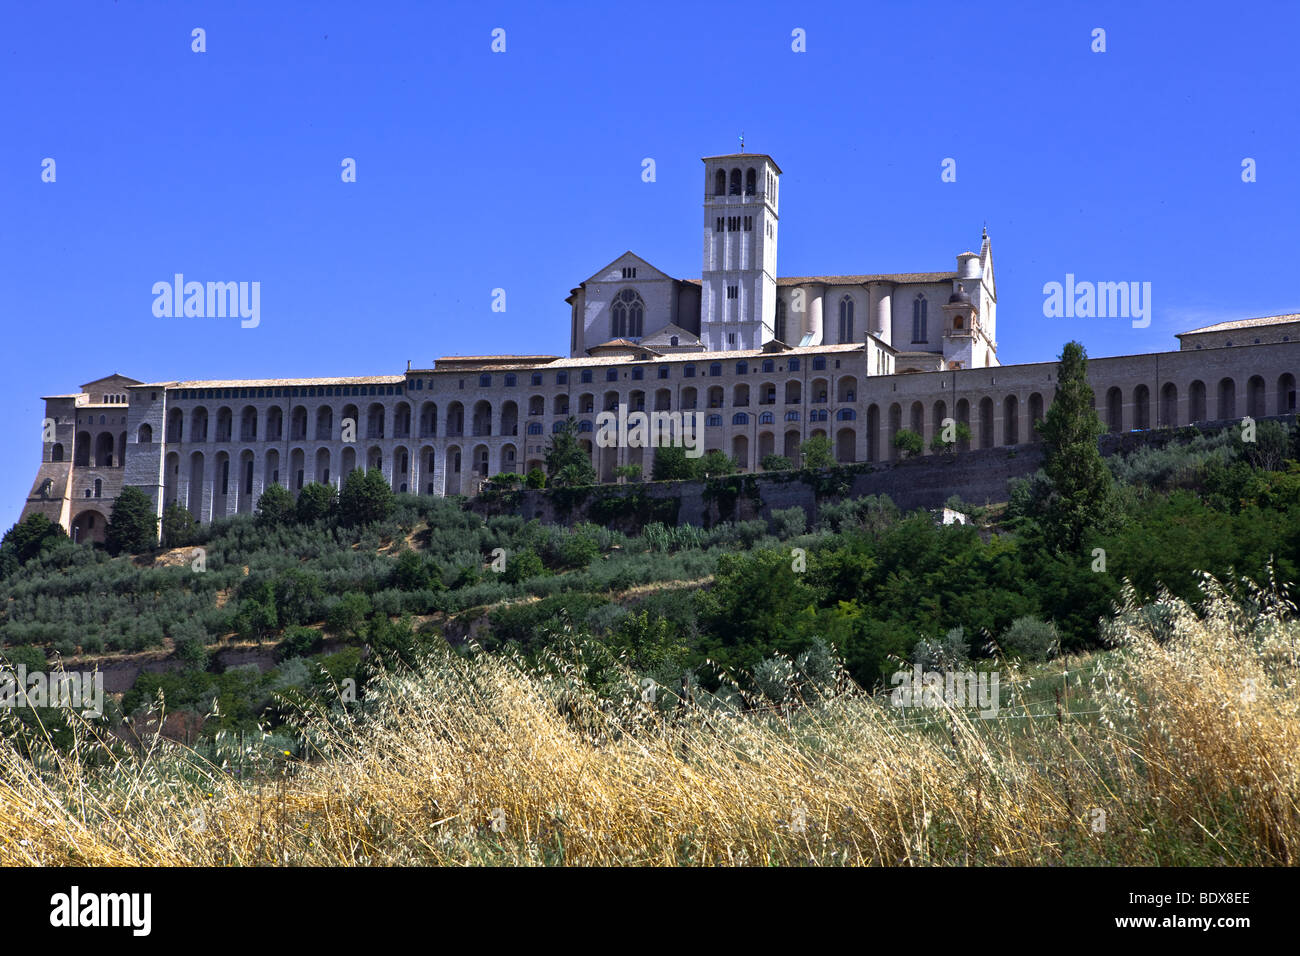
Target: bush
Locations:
point(347, 618)
point(298, 642)
point(816, 452)
point(315, 501)
point(522, 565)
point(909, 443)
point(132, 525)
point(178, 526)
point(1031, 638)
point(788, 522)
point(776, 463)
point(365, 498)
point(274, 506)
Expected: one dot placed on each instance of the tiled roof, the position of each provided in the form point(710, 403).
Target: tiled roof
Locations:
point(743, 156)
point(858, 279)
point(277, 382)
point(1245, 324)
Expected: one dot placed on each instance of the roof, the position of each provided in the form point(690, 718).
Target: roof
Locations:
point(1245, 324)
point(693, 357)
point(707, 159)
point(858, 279)
point(276, 382)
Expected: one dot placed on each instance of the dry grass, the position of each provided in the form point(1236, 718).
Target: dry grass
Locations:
point(1188, 744)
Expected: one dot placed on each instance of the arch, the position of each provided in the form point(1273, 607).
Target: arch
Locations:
point(740, 395)
point(1141, 408)
point(1168, 405)
point(986, 422)
point(915, 417)
point(818, 390)
point(89, 526)
point(298, 423)
point(735, 182)
point(1011, 420)
point(938, 412)
point(275, 423)
point(536, 406)
point(611, 401)
point(452, 469)
point(348, 464)
point(402, 420)
point(56, 452)
point(248, 423)
point(374, 459)
point(846, 318)
point(873, 432)
point(297, 476)
point(401, 467)
point(321, 466)
point(270, 468)
point(509, 457)
point(751, 181)
point(1255, 397)
point(636, 400)
point(455, 421)
point(1286, 403)
point(790, 446)
point(627, 315)
point(175, 425)
point(324, 423)
point(1035, 415)
point(740, 418)
point(794, 392)
point(690, 397)
point(374, 421)
point(895, 426)
point(846, 388)
point(779, 332)
point(766, 444)
point(104, 450)
point(481, 424)
point(663, 399)
point(720, 183)
point(198, 474)
point(221, 484)
point(429, 419)
point(199, 424)
point(920, 318)
point(1196, 404)
point(171, 477)
point(963, 417)
point(1115, 409)
point(428, 466)
point(846, 444)
point(81, 450)
point(350, 420)
point(225, 424)
point(509, 417)
point(586, 403)
point(716, 396)
point(740, 451)
point(1227, 398)
point(560, 405)
point(144, 434)
point(244, 492)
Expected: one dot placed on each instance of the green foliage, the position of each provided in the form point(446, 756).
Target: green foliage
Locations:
point(298, 641)
point(671, 464)
point(909, 443)
point(179, 528)
point(275, 505)
point(960, 434)
point(26, 539)
point(629, 472)
point(816, 452)
point(567, 463)
point(299, 597)
point(347, 618)
point(522, 565)
point(536, 478)
point(776, 463)
point(1031, 638)
point(316, 501)
point(788, 522)
point(132, 525)
point(714, 463)
point(366, 498)
point(1080, 502)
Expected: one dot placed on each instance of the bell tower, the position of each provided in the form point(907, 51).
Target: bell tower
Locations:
point(738, 294)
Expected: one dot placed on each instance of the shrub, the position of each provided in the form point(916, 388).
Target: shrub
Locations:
point(366, 497)
point(132, 525)
point(522, 565)
point(348, 617)
point(1031, 638)
point(298, 642)
point(909, 443)
point(315, 501)
point(788, 522)
point(776, 463)
point(274, 506)
point(816, 452)
point(178, 526)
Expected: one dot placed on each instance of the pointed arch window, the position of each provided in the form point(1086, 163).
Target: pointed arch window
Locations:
point(919, 316)
point(846, 319)
point(735, 182)
point(720, 183)
point(629, 315)
point(751, 182)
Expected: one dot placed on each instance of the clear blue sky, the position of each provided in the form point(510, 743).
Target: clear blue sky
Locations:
point(522, 170)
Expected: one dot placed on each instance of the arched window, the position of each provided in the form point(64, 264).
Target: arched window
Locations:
point(673, 341)
point(779, 331)
point(56, 453)
point(846, 319)
point(846, 415)
point(145, 435)
point(714, 421)
point(735, 182)
point(715, 369)
point(534, 428)
point(766, 418)
point(740, 418)
point(720, 183)
point(919, 309)
point(769, 365)
point(751, 182)
point(742, 368)
point(629, 315)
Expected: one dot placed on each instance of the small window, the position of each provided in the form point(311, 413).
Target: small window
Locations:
point(714, 421)
point(537, 378)
point(715, 369)
point(586, 376)
point(485, 381)
point(688, 371)
point(611, 375)
point(561, 378)
point(819, 363)
point(511, 379)
point(663, 371)
point(794, 364)
point(638, 374)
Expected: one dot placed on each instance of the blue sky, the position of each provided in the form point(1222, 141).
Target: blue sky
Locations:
point(522, 170)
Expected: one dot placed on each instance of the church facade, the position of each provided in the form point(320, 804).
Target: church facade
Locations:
point(768, 361)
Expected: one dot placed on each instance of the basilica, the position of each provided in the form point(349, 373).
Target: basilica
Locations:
point(768, 361)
